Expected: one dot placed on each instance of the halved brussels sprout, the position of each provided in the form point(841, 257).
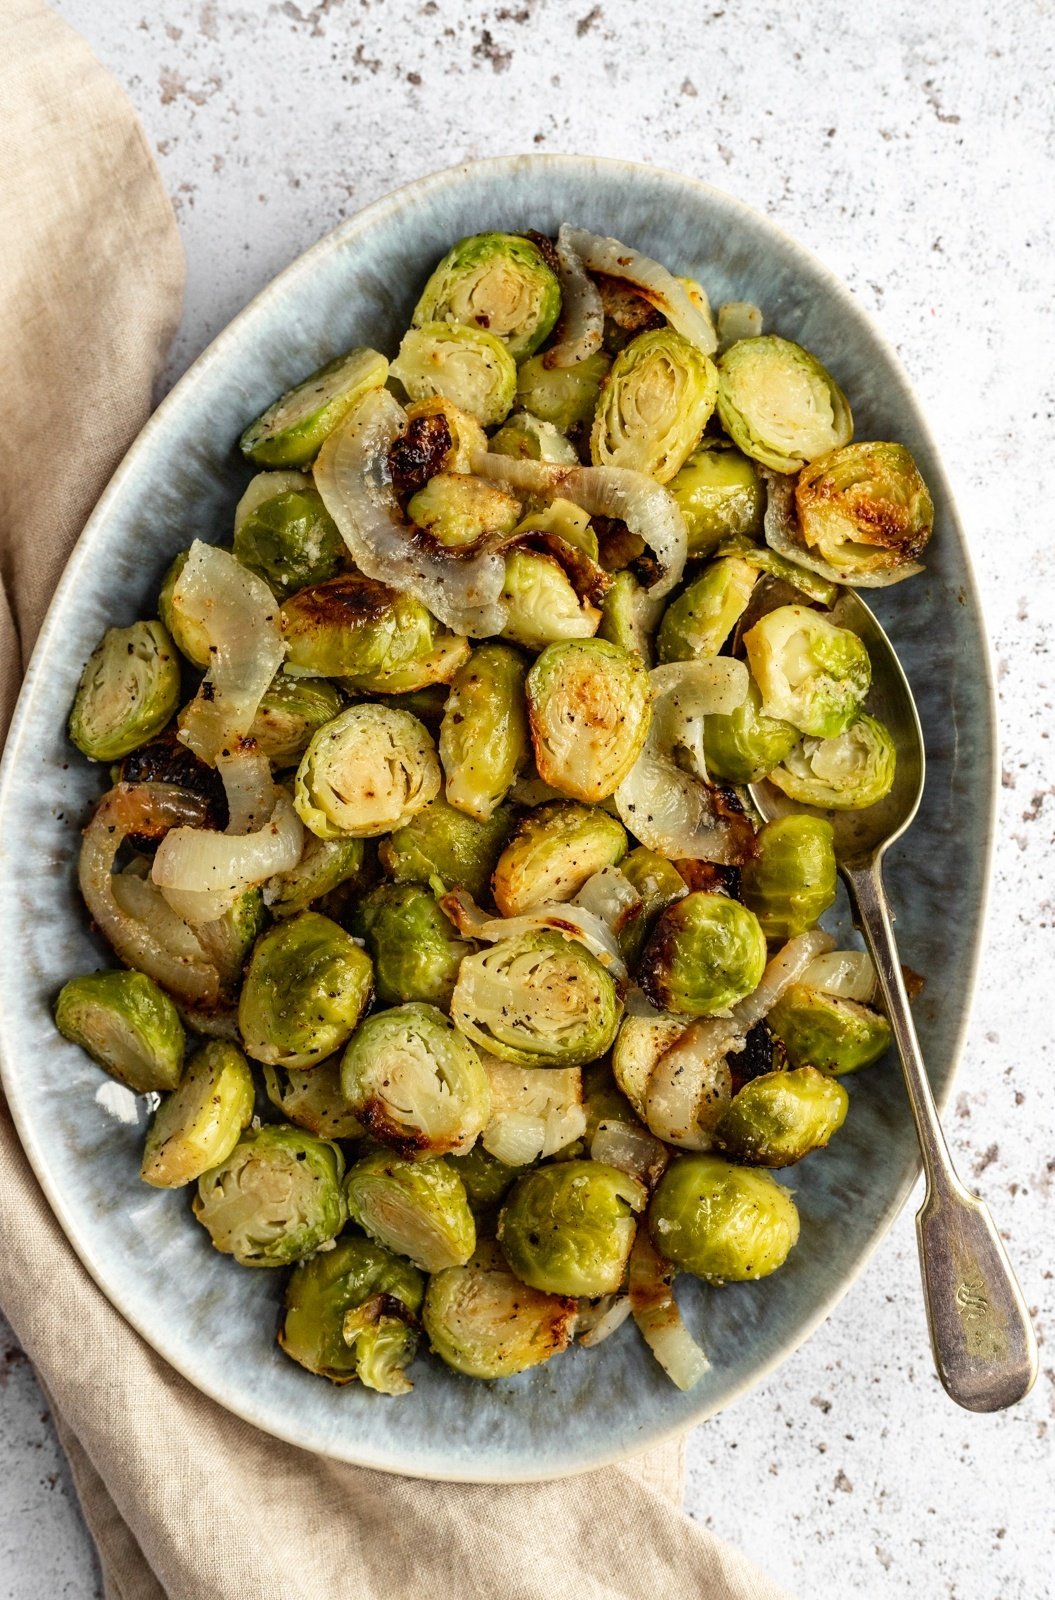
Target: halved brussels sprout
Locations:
point(486, 1323)
point(484, 736)
point(444, 847)
point(765, 559)
point(779, 404)
point(313, 1099)
point(307, 986)
point(705, 953)
point(642, 1041)
point(629, 615)
point(486, 1179)
point(290, 713)
point(463, 431)
point(325, 865)
point(834, 1035)
point(780, 1117)
point(129, 689)
point(552, 853)
point(565, 396)
point(199, 1124)
point(569, 1228)
point(719, 493)
point(865, 508)
point(283, 531)
point(189, 637)
point(419, 1209)
point(853, 770)
point(370, 636)
point(659, 883)
point(541, 604)
point(465, 365)
point(368, 771)
point(292, 430)
point(528, 438)
point(276, 1198)
point(459, 510)
point(725, 1223)
point(356, 1275)
point(228, 940)
point(127, 1024)
point(495, 281)
point(535, 1111)
point(414, 948)
point(790, 883)
point(745, 744)
point(699, 621)
point(654, 405)
point(564, 519)
point(415, 1083)
point(537, 1000)
point(589, 706)
point(811, 673)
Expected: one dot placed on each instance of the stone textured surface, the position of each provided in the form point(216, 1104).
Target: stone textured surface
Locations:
point(912, 151)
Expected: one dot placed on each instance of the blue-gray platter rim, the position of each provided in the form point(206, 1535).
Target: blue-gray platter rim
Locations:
point(215, 1322)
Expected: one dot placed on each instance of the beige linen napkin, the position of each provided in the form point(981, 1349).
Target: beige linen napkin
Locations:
point(183, 1499)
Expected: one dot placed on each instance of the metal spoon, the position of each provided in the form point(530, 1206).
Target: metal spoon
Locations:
point(984, 1347)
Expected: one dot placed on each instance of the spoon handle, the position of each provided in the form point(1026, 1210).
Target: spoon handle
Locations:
point(984, 1347)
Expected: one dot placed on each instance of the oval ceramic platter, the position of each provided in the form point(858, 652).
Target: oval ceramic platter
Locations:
point(212, 1320)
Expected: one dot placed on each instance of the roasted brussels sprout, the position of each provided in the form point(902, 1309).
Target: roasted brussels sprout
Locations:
point(498, 282)
point(356, 1275)
point(722, 1222)
point(779, 404)
point(325, 865)
point(444, 848)
point(229, 939)
point(292, 430)
point(542, 606)
point(823, 1031)
point(127, 1024)
point(276, 1198)
point(486, 1179)
point(719, 492)
point(705, 953)
point(415, 1083)
point(414, 948)
point(535, 1111)
point(307, 986)
point(765, 559)
point(699, 621)
point(745, 744)
point(199, 1124)
point(563, 518)
point(129, 689)
point(483, 1321)
point(528, 438)
point(291, 712)
point(565, 396)
point(471, 368)
point(659, 883)
point(283, 531)
point(370, 636)
point(864, 509)
point(554, 850)
point(368, 771)
point(589, 706)
point(313, 1099)
point(568, 1229)
point(845, 773)
point(484, 736)
point(629, 615)
point(790, 883)
point(419, 1209)
point(459, 510)
point(189, 637)
point(811, 673)
point(654, 405)
point(537, 1000)
point(780, 1117)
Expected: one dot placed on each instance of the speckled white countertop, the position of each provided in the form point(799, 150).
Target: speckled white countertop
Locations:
point(911, 147)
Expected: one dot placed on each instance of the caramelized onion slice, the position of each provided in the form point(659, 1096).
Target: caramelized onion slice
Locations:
point(202, 873)
point(582, 314)
point(651, 280)
point(573, 921)
point(658, 1318)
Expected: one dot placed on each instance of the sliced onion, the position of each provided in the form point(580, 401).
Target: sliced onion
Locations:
point(781, 525)
point(691, 1084)
point(202, 873)
point(651, 280)
point(611, 897)
point(514, 1138)
point(790, 964)
point(139, 898)
point(535, 1111)
point(599, 1319)
point(738, 319)
point(573, 921)
point(582, 314)
point(844, 974)
point(658, 1317)
point(630, 1148)
point(249, 787)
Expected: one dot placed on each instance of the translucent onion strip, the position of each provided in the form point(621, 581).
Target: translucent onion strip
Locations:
point(599, 1319)
point(790, 964)
point(658, 1317)
point(574, 921)
point(845, 974)
point(249, 787)
point(202, 873)
point(582, 314)
point(632, 1149)
point(781, 525)
point(651, 280)
point(535, 1111)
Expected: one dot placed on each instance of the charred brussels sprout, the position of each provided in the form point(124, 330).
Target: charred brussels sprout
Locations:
point(699, 621)
point(444, 847)
point(127, 1024)
point(554, 850)
point(654, 405)
point(419, 1209)
point(589, 706)
point(780, 1117)
point(465, 365)
point(458, 510)
point(291, 712)
point(568, 1229)
point(129, 689)
point(486, 1179)
point(721, 1222)
point(790, 883)
point(283, 531)
point(415, 1083)
point(276, 1198)
point(537, 1000)
point(372, 637)
point(483, 1321)
point(325, 865)
point(498, 282)
point(291, 432)
point(313, 1099)
point(484, 735)
point(368, 771)
point(565, 396)
point(779, 404)
point(355, 1276)
point(720, 493)
point(864, 508)
point(823, 1031)
point(528, 438)
point(706, 952)
point(811, 673)
point(415, 950)
point(189, 637)
point(853, 770)
point(464, 432)
point(541, 604)
point(307, 986)
point(198, 1125)
point(743, 745)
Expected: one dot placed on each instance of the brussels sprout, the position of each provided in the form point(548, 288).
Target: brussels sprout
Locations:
point(198, 1125)
point(780, 1117)
point(438, 438)
point(419, 1209)
point(719, 492)
point(459, 510)
point(291, 712)
point(743, 745)
point(569, 1228)
point(541, 604)
point(589, 706)
point(189, 637)
point(276, 1198)
point(486, 1179)
point(654, 405)
point(370, 636)
point(496, 281)
point(283, 531)
point(537, 1000)
point(845, 773)
point(228, 940)
point(313, 1099)
point(722, 1222)
point(484, 736)
point(864, 508)
point(414, 948)
point(699, 621)
point(129, 689)
point(471, 368)
point(535, 1111)
point(127, 1024)
point(565, 396)
point(659, 883)
point(641, 1043)
point(563, 518)
point(486, 1323)
point(774, 565)
point(325, 865)
point(444, 848)
point(820, 1030)
point(811, 673)
point(292, 430)
point(790, 883)
point(427, 704)
point(552, 853)
point(530, 439)
point(368, 771)
point(307, 986)
point(603, 1099)
point(705, 953)
point(415, 1083)
point(779, 404)
point(356, 1275)
point(628, 616)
